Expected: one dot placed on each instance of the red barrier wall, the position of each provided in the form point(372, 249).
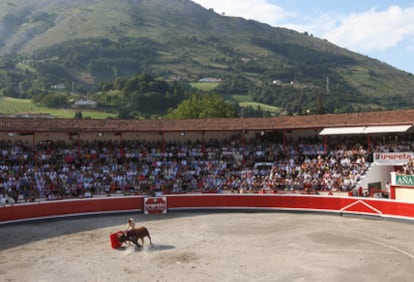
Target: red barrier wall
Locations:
point(69, 207)
point(365, 206)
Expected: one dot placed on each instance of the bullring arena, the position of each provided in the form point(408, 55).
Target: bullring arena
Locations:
point(229, 246)
point(306, 198)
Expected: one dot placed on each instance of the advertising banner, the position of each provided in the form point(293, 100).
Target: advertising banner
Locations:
point(392, 158)
point(405, 180)
point(155, 205)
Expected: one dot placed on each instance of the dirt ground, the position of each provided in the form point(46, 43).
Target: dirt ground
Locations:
point(210, 247)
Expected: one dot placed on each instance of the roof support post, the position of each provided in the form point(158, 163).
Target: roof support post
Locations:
point(162, 142)
point(284, 140)
point(203, 141)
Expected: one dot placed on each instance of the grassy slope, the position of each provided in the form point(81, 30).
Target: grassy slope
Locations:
point(12, 106)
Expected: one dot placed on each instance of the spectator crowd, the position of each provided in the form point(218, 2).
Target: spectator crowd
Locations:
point(56, 170)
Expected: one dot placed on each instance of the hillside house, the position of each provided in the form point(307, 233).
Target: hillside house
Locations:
point(84, 104)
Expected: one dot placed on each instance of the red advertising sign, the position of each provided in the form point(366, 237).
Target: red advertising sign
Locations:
point(154, 205)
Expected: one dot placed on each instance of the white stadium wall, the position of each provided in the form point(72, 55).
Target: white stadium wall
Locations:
point(376, 173)
point(404, 194)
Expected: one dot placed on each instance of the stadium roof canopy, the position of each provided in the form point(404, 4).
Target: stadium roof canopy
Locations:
point(327, 124)
point(354, 130)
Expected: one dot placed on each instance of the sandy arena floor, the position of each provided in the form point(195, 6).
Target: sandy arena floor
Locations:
point(211, 247)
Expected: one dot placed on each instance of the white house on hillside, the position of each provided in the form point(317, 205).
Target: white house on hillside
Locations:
point(83, 103)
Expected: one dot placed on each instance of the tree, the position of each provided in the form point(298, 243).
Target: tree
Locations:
point(202, 106)
point(54, 100)
point(78, 115)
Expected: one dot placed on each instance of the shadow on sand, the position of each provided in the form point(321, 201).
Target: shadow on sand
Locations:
point(147, 248)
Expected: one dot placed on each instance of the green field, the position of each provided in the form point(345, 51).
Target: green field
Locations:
point(271, 109)
point(12, 106)
point(205, 86)
point(246, 101)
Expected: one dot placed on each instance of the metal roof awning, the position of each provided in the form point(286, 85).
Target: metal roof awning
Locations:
point(364, 129)
point(387, 129)
point(342, 130)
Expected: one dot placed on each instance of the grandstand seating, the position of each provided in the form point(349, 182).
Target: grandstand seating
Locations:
point(60, 169)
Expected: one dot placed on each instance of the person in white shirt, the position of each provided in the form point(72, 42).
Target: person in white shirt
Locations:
point(130, 225)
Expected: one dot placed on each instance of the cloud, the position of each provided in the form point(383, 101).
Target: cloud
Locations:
point(371, 30)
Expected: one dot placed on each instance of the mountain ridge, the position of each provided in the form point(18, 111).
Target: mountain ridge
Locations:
point(93, 41)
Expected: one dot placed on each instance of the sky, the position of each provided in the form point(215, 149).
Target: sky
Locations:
point(382, 30)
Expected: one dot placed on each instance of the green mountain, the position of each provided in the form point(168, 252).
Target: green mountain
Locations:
point(82, 43)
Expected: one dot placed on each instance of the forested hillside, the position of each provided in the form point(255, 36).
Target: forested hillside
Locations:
point(84, 44)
